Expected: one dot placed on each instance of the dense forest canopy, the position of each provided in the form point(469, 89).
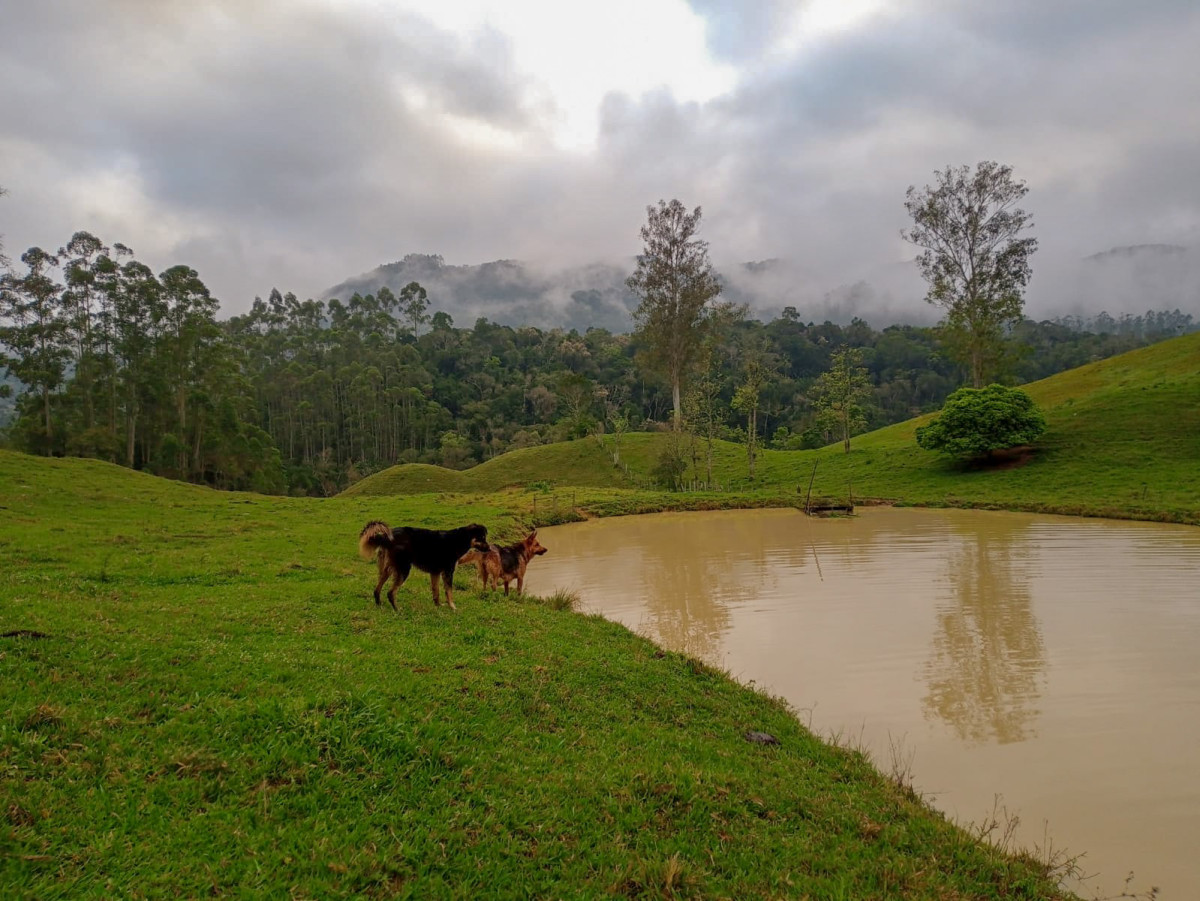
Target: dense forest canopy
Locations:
point(105, 358)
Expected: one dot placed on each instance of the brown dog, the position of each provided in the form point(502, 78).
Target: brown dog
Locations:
point(504, 564)
point(399, 550)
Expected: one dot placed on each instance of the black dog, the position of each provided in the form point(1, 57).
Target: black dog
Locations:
point(434, 552)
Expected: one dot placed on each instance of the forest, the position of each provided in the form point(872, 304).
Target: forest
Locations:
point(101, 357)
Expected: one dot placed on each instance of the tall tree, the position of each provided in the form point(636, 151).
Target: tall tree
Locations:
point(191, 329)
point(973, 257)
point(35, 335)
point(414, 304)
point(79, 260)
point(703, 405)
point(840, 392)
point(137, 316)
point(677, 286)
point(757, 366)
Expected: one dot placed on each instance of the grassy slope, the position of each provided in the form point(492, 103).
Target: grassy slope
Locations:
point(220, 710)
point(574, 463)
point(1123, 440)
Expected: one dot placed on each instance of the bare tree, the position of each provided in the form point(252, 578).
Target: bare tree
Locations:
point(976, 264)
point(677, 287)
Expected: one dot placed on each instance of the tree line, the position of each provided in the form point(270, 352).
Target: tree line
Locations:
point(116, 362)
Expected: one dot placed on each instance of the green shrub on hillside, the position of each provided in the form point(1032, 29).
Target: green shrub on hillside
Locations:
point(976, 422)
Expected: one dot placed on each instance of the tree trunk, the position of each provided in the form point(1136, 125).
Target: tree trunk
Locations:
point(130, 434)
point(46, 406)
point(181, 413)
point(753, 440)
point(196, 448)
point(678, 418)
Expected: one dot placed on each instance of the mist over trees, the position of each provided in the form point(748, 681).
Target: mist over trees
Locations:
point(101, 357)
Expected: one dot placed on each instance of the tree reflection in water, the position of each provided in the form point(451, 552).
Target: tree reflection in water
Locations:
point(694, 578)
point(987, 666)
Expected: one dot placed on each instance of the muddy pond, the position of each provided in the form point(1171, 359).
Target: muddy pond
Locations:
point(1044, 666)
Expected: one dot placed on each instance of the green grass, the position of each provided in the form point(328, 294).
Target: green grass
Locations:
point(219, 709)
point(1123, 440)
point(571, 463)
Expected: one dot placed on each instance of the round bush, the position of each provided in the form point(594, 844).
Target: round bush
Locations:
point(976, 422)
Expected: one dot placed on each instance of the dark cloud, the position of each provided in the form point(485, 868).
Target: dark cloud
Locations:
point(291, 144)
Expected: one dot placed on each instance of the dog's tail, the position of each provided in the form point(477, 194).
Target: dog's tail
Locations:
point(375, 535)
point(474, 555)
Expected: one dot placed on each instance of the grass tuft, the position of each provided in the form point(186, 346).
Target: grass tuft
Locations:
point(563, 599)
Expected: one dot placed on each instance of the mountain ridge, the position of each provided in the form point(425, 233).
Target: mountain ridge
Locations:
point(1123, 279)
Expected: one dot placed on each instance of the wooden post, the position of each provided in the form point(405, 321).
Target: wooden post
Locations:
point(811, 479)
point(850, 490)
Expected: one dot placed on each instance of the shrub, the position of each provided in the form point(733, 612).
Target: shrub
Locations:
point(977, 422)
point(670, 466)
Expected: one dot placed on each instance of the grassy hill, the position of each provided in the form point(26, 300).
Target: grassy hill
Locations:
point(570, 463)
point(211, 705)
point(1123, 440)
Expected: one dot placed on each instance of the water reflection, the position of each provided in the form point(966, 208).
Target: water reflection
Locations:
point(987, 666)
point(691, 582)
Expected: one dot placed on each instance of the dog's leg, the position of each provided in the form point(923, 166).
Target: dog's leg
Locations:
point(448, 581)
point(383, 576)
point(400, 570)
point(433, 583)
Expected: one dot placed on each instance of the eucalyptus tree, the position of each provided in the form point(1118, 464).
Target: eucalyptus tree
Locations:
point(137, 317)
point(973, 257)
point(677, 287)
point(79, 260)
point(189, 339)
point(414, 305)
point(109, 284)
point(33, 332)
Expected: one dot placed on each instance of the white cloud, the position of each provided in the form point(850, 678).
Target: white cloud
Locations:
point(576, 53)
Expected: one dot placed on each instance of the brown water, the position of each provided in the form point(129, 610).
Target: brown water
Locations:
point(1050, 661)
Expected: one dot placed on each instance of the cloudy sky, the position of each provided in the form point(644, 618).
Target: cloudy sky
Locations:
point(293, 143)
